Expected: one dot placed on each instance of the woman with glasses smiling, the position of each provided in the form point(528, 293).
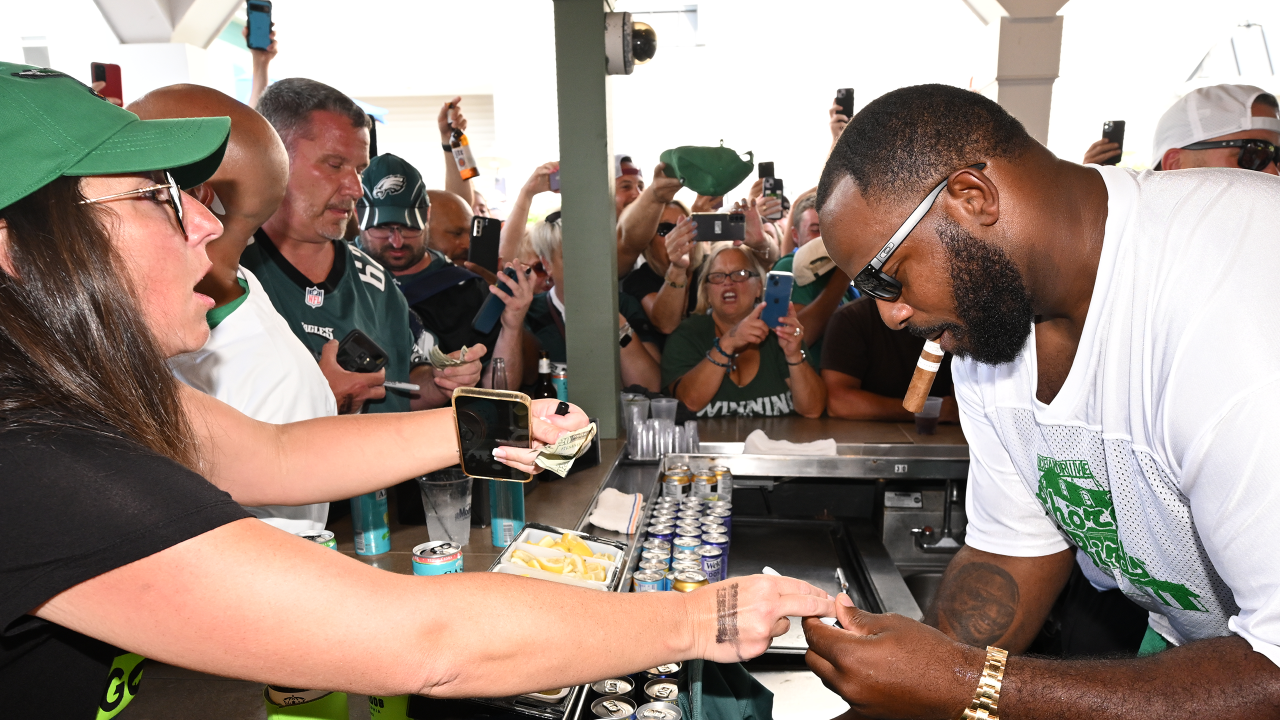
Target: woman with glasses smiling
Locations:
point(727, 361)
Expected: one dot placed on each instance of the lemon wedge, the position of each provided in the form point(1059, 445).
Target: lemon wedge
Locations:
point(547, 542)
point(576, 546)
point(552, 564)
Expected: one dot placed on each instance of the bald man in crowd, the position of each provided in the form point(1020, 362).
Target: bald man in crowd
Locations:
point(252, 360)
point(1116, 379)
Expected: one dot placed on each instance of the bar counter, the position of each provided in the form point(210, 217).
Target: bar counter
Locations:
point(562, 502)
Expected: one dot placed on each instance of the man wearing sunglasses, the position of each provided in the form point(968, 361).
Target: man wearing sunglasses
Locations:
point(1113, 418)
point(1231, 126)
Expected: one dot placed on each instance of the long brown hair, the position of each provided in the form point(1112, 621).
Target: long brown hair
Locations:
point(75, 350)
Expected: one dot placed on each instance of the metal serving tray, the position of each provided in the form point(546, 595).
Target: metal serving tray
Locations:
point(856, 461)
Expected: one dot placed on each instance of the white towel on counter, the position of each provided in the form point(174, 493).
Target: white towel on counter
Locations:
point(618, 511)
point(757, 443)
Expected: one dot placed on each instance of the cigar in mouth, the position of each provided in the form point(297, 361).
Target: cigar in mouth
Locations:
point(922, 381)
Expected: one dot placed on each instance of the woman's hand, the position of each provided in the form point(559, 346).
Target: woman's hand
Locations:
point(1100, 151)
point(751, 330)
point(791, 335)
point(517, 304)
point(680, 243)
point(545, 427)
point(736, 619)
point(707, 203)
point(540, 180)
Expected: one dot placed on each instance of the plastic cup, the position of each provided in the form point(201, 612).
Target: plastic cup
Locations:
point(446, 498)
point(664, 408)
point(927, 419)
point(635, 410)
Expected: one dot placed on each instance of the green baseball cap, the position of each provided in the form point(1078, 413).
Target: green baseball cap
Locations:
point(709, 171)
point(53, 125)
point(393, 193)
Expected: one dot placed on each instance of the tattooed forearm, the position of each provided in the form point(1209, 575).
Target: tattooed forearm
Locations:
point(727, 614)
point(977, 603)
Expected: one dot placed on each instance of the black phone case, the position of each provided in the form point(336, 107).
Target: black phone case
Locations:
point(844, 97)
point(359, 353)
point(1113, 130)
point(731, 226)
point(486, 234)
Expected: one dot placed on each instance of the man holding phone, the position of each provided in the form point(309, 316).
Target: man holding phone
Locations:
point(395, 215)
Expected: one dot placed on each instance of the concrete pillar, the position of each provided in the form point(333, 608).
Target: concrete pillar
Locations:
point(586, 191)
point(1030, 49)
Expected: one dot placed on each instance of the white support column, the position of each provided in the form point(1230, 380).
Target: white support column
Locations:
point(1030, 50)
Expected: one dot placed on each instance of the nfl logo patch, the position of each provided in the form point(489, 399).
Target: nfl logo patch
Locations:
point(315, 297)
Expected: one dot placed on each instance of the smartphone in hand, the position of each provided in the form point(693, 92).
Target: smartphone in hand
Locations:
point(486, 233)
point(844, 98)
point(772, 187)
point(554, 180)
point(109, 74)
point(713, 227)
point(358, 352)
point(258, 13)
point(777, 297)
point(486, 420)
point(491, 310)
point(1113, 131)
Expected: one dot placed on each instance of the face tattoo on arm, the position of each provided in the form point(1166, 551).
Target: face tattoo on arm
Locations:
point(727, 614)
point(979, 604)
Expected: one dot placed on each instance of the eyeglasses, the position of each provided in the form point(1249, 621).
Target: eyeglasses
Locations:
point(738, 276)
point(168, 192)
point(384, 232)
point(879, 284)
point(1254, 154)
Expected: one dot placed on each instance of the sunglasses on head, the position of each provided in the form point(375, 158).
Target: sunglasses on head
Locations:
point(876, 282)
point(1254, 154)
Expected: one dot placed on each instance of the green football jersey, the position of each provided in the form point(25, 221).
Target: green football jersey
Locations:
point(358, 293)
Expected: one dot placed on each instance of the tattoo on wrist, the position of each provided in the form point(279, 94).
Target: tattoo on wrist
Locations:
point(978, 603)
point(727, 614)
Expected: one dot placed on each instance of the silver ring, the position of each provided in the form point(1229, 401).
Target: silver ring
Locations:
point(797, 332)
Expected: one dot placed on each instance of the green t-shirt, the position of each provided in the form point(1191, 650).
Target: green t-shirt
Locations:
point(767, 393)
point(215, 316)
point(358, 293)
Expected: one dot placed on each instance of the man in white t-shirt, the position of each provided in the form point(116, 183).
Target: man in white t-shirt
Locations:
point(1117, 377)
point(252, 360)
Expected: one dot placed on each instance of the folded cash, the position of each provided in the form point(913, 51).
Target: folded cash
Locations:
point(558, 457)
point(440, 361)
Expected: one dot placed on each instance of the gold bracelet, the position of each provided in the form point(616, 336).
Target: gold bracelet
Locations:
point(986, 698)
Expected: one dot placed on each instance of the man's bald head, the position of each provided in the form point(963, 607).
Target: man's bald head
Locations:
point(449, 225)
point(251, 181)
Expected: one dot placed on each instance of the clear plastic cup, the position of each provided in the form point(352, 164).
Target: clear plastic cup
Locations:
point(927, 419)
point(664, 408)
point(692, 445)
point(446, 498)
point(635, 409)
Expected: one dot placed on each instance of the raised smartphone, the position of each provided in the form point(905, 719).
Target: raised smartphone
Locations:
point(766, 169)
point(713, 227)
point(844, 98)
point(358, 352)
point(258, 13)
point(554, 180)
point(772, 187)
point(486, 233)
point(491, 311)
point(108, 73)
point(1113, 130)
point(777, 297)
point(488, 419)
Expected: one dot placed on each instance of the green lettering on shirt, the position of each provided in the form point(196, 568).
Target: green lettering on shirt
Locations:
point(122, 685)
point(1087, 516)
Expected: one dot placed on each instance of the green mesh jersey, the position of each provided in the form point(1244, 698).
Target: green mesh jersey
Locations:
point(358, 293)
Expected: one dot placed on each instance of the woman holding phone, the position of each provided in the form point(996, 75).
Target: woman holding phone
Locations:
point(122, 534)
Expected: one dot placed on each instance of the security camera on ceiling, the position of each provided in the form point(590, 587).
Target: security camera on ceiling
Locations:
point(627, 43)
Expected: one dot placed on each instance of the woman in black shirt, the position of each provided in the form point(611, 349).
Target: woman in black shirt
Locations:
point(117, 547)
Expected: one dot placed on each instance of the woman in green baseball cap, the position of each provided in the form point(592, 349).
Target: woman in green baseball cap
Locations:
point(120, 521)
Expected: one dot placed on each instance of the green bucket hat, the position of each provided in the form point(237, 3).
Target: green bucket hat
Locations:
point(393, 193)
point(710, 171)
point(52, 125)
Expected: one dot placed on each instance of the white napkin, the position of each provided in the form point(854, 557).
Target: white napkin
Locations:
point(757, 443)
point(811, 262)
point(618, 511)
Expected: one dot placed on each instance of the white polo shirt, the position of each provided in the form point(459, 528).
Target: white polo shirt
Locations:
point(254, 363)
point(1155, 459)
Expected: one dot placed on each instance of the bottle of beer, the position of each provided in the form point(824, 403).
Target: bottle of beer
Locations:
point(462, 155)
point(543, 388)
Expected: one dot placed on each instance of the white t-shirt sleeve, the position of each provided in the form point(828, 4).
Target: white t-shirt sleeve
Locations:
point(1004, 519)
point(1230, 478)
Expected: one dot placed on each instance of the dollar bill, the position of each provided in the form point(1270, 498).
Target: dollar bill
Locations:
point(559, 456)
point(440, 361)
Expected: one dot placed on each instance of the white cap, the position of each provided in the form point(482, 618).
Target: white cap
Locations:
point(617, 166)
point(1210, 112)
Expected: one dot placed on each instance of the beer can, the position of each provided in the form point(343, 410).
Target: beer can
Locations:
point(721, 505)
point(693, 533)
point(658, 566)
point(661, 690)
point(711, 529)
point(678, 467)
point(662, 532)
point(656, 544)
point(370, 522)
point(688, 523)
point(655, 556)
point(676, 484)
point(560, 380)
point(689, 580)
point(663, 514)
point(724, 482)
point(709, 519)
point(437, 558)
point(679, 566)
point(659, 711)
point(647, 581)
point(712, 562)
point(613, 706)
point(724, 514)
point(704, 485)
point(613, 687)
point(720, 541)
point(685, 554)
point(319, 537)
point(689, 515)
point(686, 543)
point(670, 670)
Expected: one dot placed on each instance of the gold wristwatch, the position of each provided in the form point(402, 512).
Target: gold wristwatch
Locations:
point(986, 698)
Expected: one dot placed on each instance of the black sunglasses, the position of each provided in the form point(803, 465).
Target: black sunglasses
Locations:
point(876, 282)
point(1254, 154)
point(665, 227)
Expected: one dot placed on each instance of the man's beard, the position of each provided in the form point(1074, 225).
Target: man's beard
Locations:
point(415, 256)
point(333, 229)
point(991, 299)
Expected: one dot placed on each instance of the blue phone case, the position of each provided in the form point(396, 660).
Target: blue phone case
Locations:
point(259, 16)
point(491, 311)
point(777, 297)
